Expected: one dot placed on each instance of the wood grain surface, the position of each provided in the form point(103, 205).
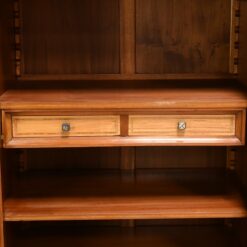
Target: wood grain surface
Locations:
point(195, 125)
point(177, 36)
point(70, 37)
point(51, 126)
point(173, 95)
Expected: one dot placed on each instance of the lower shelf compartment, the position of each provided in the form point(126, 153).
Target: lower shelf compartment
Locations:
point(171, 194)
point(142, 236)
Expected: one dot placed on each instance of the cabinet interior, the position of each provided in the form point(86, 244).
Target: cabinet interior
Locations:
point(123, 196)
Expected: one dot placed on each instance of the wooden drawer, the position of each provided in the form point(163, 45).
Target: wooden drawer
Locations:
point(57, 126)
point(183, 125)
point(29, 130)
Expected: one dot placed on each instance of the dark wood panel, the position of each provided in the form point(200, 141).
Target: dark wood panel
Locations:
point(240, 229)
point(240, 162)
point(95, 158)
point(176, 236)
point(7, 65)
point(127, 10)
point(70, 36)
point(131, 158)
point(180, 157)
point(180, 36)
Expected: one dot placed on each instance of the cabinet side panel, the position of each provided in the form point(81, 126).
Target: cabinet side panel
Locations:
point(7, 75)
point(1, 204)
point(242, 66)
point(242, 75)
point(241, 169)
point(7, 53)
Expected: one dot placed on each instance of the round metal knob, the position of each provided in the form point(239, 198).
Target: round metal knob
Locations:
point(181, 125)
point(65, 127)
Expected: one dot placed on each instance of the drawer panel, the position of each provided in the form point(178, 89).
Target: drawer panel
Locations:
point(56, 126)
point(183, 125)
point(41, 130)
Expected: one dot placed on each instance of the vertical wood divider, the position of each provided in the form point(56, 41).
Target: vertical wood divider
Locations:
point(127, 36)
point(127, 153)
point(128, 159)
point(127, 165)
point(128, 174)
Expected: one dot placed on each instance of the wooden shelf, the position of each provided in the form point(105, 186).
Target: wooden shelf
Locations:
point(147, 195)
point(174, 236)
point(164, 95)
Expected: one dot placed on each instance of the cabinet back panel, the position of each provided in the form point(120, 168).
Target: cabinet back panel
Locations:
point(7, 67)
point(180, 36)
point(70, 37)
point(180, 157)
point(84, 158)
point(110, 158)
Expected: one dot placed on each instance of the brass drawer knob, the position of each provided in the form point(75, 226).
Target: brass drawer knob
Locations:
point(65, 127)
point(181, 125)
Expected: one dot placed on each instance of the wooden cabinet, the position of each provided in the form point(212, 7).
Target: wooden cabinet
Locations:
point(123, 123)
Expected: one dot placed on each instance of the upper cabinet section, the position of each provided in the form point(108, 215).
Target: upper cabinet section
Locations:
point(126, 39)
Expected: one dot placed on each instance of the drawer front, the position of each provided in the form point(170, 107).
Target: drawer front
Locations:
point(57, 126)
point(183, 125)
point(24, 130)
